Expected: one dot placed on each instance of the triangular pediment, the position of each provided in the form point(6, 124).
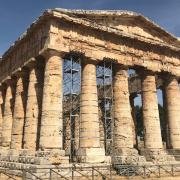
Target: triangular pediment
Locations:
point(123, 23)
point(126, 22)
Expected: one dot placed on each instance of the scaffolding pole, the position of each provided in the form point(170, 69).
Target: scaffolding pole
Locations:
point(105, 98)
point(71, 104)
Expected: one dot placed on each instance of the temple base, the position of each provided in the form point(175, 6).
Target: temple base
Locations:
point(92, 155)
point(127, 156)
point(175, 153)
point(49, 157)
point(158, 156)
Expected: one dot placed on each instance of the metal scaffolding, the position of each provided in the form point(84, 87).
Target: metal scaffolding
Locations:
point(108, 172)
point(71, 103)
point(105, 99)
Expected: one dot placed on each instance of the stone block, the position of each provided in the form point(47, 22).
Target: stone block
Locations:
point(92, 155)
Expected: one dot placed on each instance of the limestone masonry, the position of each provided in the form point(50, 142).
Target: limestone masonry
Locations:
point(67, 97)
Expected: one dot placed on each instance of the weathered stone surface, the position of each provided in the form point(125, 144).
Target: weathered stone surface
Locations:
point(32, 109)
point(51, 133)
point(172, 95)
point(1, 115)
point(19, 114)
point(89, 123)
point(38, 120)
point(8, 115)
point(151, 120)
point(122, 137)
point(124, 127)
point(158, 156)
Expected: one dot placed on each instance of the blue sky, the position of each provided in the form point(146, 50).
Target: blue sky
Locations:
point(16, 15)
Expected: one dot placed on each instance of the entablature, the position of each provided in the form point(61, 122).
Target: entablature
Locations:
point(64, 33)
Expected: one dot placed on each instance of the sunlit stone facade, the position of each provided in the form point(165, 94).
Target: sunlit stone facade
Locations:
point(31, 86)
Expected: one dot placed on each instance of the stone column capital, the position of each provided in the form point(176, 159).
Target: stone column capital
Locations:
point(118, 67)
point(121, 70)
point(145, 72)
point(20, 73)
point(89, 60)
point(10, 81)
point(168, 76)
point(32, 64)
point(52, 52)
point(2, 87)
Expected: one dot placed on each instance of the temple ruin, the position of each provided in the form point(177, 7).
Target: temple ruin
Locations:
point(67, 97)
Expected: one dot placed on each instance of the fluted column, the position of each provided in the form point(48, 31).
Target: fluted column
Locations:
point(18, 118)
point(89, 126)
point(51, 134)
point(8, 114)
point(122, 135)
point(1, 114)
point(172, 98)
point(165, 125)
point(134, 122)
point(90, 150)
point(151, 120)
point(30, 140)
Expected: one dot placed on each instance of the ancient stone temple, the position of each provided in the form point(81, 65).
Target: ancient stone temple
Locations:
point(67, 96)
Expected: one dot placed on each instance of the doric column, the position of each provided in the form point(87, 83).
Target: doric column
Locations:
point(1, 114)
point(122, 135)
point(152, 130)
point(30, 140)
point(134, 122)
point(8, 114)
point(51, 134)
point(19, 112)
point(172, 98)
point(165, 132)
point(90, 150)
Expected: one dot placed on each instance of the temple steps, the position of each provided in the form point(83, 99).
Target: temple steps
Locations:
point(175, 153)
point(30, 159)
